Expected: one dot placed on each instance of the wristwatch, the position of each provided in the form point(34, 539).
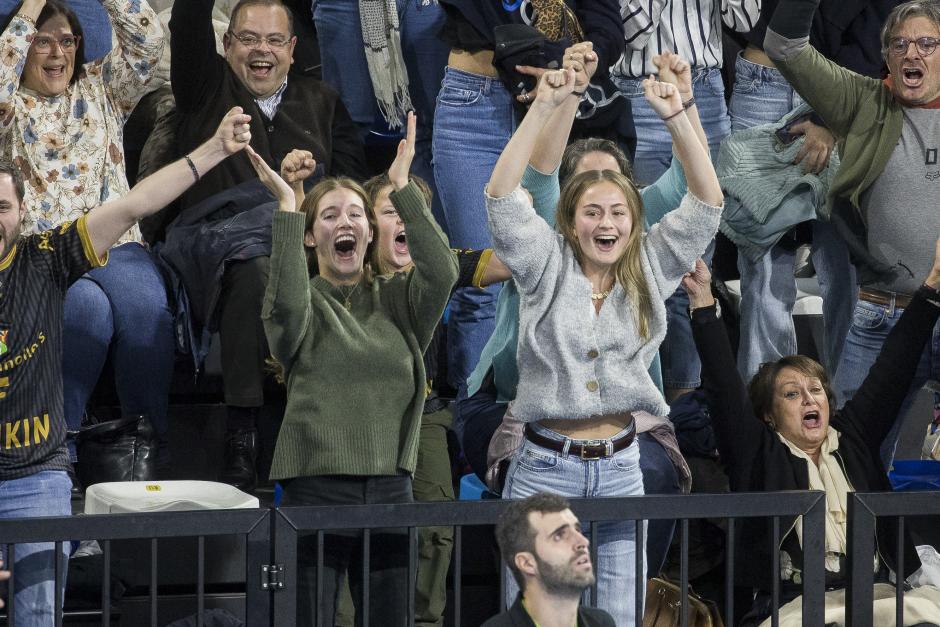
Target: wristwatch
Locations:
point(717, 307)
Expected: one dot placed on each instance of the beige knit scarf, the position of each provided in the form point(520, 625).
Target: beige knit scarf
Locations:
point(381, 37)
point(829, 478)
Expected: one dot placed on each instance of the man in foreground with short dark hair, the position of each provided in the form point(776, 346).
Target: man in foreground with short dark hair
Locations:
point(541, 542)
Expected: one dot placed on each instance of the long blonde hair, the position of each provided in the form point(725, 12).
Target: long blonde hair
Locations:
point(629, 270)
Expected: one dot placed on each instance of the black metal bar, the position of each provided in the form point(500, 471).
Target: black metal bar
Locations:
point(684, 572)
point(861, 546)
point(285, 552)
point(412, 572)
point(775, 571)
point(639, 591)
point(457, 565)
point(899, 588)
point(729, 573)
point(201, 580)
point(153, 582)
point(11, 591)
point(814, 563)
point(320, 543)
point(59, 582)
point(366, 541)
point(260, 548)
point(502, 586)
point(106, 586)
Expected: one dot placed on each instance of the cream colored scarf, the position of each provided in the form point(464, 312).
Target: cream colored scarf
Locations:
point(381, 36)
point(829, 478)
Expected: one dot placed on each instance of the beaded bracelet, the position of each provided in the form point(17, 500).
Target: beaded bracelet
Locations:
point(192, 166)
point(27, 19)
point(689, 103)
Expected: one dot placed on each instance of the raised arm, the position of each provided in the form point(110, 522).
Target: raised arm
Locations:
point(109, 221)
point(696, 162)
point(553, 89)
point(14, 46)
point(737, 430)
point(134, 59)
point(435, 264)
point(602, 26)
point(552, 140)
point(676, 71)
point(834, 92)
point(194, 62)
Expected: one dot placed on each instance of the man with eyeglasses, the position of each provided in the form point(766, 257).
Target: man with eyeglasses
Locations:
point(288, 111)
point(883, 200)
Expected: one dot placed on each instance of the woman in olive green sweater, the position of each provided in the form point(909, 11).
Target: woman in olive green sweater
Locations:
point(351, 345)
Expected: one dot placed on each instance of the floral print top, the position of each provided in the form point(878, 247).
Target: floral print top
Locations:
point(70, 148)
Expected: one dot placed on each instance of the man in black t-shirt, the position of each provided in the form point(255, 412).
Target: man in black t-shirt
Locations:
point(35, 272)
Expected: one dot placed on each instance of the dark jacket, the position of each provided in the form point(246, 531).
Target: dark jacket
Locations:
point(516, 616)
point(310, 116)
point(757, 461)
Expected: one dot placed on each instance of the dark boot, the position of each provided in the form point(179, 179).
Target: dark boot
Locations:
point(241, 453)
point(118, 450)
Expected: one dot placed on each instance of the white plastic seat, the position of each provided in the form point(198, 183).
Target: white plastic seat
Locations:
point(164, 496)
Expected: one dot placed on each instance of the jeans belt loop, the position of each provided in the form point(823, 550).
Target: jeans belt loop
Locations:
point(567, 445)
point(891, 305)
point(609, 445)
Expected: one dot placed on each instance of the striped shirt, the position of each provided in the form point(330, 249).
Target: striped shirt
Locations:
point(690, 28)
point(34, 276)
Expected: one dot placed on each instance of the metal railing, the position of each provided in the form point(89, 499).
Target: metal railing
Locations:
point(253, 524)
point(863, 511)
point(291, 522)
point(271, 544)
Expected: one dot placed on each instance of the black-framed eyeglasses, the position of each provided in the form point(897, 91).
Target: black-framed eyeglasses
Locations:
point(43, 43)
point(925, 45)
point(253, 41)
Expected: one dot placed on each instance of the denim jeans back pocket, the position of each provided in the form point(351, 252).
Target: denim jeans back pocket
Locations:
point(869, 317)
point(453, 96)
point(537, 459)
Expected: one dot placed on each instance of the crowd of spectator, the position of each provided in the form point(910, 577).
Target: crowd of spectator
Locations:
point(528, 275)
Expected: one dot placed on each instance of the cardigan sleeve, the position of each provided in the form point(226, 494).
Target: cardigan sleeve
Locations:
point(435, 270)
point(678, 239)
point(128, 70)
point(523, 240)
point(875, 406)
point(287, 307)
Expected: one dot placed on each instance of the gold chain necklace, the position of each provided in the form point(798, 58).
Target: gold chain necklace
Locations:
point(602, 295)
point(347, 296)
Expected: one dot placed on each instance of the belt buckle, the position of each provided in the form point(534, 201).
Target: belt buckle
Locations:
point(589, 443)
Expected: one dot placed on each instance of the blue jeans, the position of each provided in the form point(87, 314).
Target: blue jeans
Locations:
point(120, 311)
point(761, 95)
point(871, 325)
point(537, 469)
point(46, 493)
point(472, 124)
point(345, 68)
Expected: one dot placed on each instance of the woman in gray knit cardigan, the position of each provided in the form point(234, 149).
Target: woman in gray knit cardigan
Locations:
point(591, 319)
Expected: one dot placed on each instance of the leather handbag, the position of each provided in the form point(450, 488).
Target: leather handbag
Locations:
point(117, 450)
point(662, 606)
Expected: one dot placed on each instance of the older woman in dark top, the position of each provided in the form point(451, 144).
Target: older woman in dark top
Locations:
point(780, 433)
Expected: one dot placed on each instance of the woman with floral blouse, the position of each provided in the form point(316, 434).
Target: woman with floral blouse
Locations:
point(61, 126)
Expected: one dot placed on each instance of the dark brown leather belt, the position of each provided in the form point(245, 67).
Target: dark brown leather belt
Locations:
point(881, 297)
point(585, 449)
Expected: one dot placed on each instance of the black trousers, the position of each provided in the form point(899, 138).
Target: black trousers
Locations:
point(343, 554)
point(244, 345)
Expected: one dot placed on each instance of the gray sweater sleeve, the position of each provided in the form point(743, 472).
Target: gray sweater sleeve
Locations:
point(521, 239)
point(673, 244)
